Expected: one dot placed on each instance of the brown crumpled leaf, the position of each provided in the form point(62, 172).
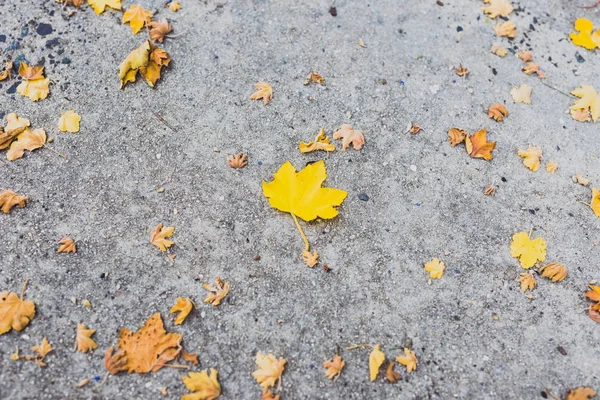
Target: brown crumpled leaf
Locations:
point(147, 350)
point(581, 393)
point(457, 136)
point(555, 271)
point(321, 142)
point(461, 71)
point(334, 367)
point(7, 68)
point(391, 375)
point(190, 357)
point(159, 29)
point(9, 199)
point(497, 112)
point(26, 140)
point(66, 245)
point(310, 259)
point(314, 77)
point(238, 161)
point(478, 147)
point(349, 136)
point(217, 293)
point(527, 282)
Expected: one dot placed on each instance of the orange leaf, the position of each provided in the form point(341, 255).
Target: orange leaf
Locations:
point(137, 16)
point(218, 293)
point(334, 367)
point(15, 313)
point(83, 339)
point(159, 235)
point(184, 307)
point(9, 199)
point(27, 140)
point(478, 147)
point(66, 245)
point(457, 136)
point(264, 91)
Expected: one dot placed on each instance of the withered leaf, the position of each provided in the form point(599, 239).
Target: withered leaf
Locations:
point(264, 91)
point(15, 313)
point(478, 147)
point(349, 136)
point(116, 362)
point(391, 375)
point(66, 245)
point(498, 112)
point(527, 282)
point(83, 339)
point(9, 199)
point(159, 29)
point(217, 293)
point(457, 136)
point(555, 271)
point(321, 142)
point(333, 367)
point(159, 235)
point(183, 306)
point(314, 77)
point(310, 259)
point(240, 160)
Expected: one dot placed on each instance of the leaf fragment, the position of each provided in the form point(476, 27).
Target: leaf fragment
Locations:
point(531, 157)
point(594, 293)
point(522, 94)
point(314, 77)
point(37, 89)
point(174, 6)
point(498, 8)
point(114, 363)
point(310, 259)
point(66, 245)
point(270, 369)
point(264, 91)
point(190, 357)
point(457, 136)
point(527, 250)
point(159, 235)
point(14, 126)
point(527, 282)
point(83, 339)
point(436, 268)
point(409, 360)
point(376, 358)
point(507, 29)
point(159, 29)
point(588, 100)
point(525, 56)
point(100, 5)
point(580, 179)
point(321, 142)
point(204, 386)
point(9, 199)
point(69, 122)
point(497, 112)
point(31, 72)
point(595, 203)
point(478, 147)
point(137, 17)
point(183, 306)
point(217, 293)
point(391, 375)
point(461, 71)
point(240, 160)
point(551, 167)
point(498, 50)
point(349, 136)
point(554, 271)
point(581, 393)
point(7, 69)
point(15, 313)
point(43, 348)
point(333, 367)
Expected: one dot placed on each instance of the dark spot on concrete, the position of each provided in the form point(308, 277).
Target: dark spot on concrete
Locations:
point(504, 179)
point(459, 28)
point(13, 88)
point(51, 43)
point(439, 3)
point(66, 60)
point(532, 212)
point(333, 11)
point(2, 38)
point(579, 58)
point(494, 71)
point(561, 350)
point(24, 31)
point(44, 29)
point(363, 197)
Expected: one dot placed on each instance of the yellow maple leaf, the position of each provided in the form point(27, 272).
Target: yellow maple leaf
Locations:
point(218, 293)
point(333, 367)
point(585, 37)
point(27, 140)
point(183, 307)
point(507, 29)
point(100, 5)
point(376, 358)
point(43, 348)
point(204, 386)
point(263, 91)
point(321, 142)
point(595, 203)
point(174, 6)
point(14, 126)
point(9, 199)
point(135, 60)
point(409, 360)
point(159, 235)
point(158, 59)
point(498, 50)
point(528, 251)
point(531, 157)
point(551, 167)
point(581, 393)
point(147, 350)
point(588, 99)
point(137, 17)
point(37, 89)
point(527, 281)
point(301, 194)
point(349, 136)
point(477, 145)
point(435, 268)
point(555, 271)
point(69, 122)
point(498, 8)
point(31, 72)
point(522, 94)
point(83, 339)
point(15, 313)
point(594, 293)
point(269, 370)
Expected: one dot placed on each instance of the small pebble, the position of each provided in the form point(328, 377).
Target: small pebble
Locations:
point(158, 156)
point(561, 350)
point(363, 197)
point(413, 168)
point(256, 257)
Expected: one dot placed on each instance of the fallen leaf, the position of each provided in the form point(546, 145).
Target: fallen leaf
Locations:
point(15, 313)
point(522, 94)
point(31, 72)
point(435, 268)
point(15, 356)
point(83, 339)
point(158, 59)
point(588, 99)
point(314, 77)
point(183, 306)
point(585, 37)
point(581, 115)
point(115, 363)
point(159, 29)
point(594, 293)
point(457, 136)
point(532, 68)
point(174, 6)
point(149, 349)
point(218, 293)
point(238, 161)
point(37, 89)
point(349, 136)
point(551, 167)
point(531, 157)
point(497, 112)
point(581, 393)
point(528, 251)
point(9, 199)
point(7, 68)
point(310, 259)
point(461, 71)
point(580, 179)
point(148, 60)
point(594, 314)
point(69, 122)
point(269, 371)
point(268, 395)
point(489, 190)
point(100, 5)
point(498, 50)
point(264, 91)
point(204, 386)
point(190, 357)
point(14, 126)
point(477, 145)
point(507, 29)
point(391, 375)
point(555, 271)
point(497, 8)
point(66, 245)
point(413, 129)
point(137, 17)
point(525, 56)
point(26, 140)
point(409, 360)
point(595, 203)
point(334, 367)
point(376, 358)
point(321, 142)
point(527, 282)
point(43, 348)
point(159, 235)
point(361, 43)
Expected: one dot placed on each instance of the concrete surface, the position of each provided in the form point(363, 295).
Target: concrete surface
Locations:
point(105, 196)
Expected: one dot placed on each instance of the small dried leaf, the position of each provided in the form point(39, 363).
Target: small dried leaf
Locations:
point(413, 129)
point(263, 91)
point(594, 293)
point(69, 122)
point(314, 77)
point(507, 29)
point(461, 71)
point(376, 358)
point(240, 160)
point(498, 50)
point(551, 167)
point(83, 339)
point(497, 8)
point(183, 306)
point(555, 271)
point(525, 56)
point(204, 386)
point(585, 37)
point(66, 245)
point(581, 393)
point(478, 147)
point(527, 282)
point(15, 313)
point(498, 112)
point(531, 157)
point(409, 360)
point(588, 99)
point(489, 190)
point(218, 293)
point(435, 268)
point(580, 179)
point(159, 235)
point(9, 199)
point(190, 357)
point(334, 367)
point(522, 94)
point(174, 6)
point(159, 29)
point(349, 136)
point(270, 369)
point(310, 259)
point(42, 349)
point(321, 142)
point(457, 136)
point(391, 375)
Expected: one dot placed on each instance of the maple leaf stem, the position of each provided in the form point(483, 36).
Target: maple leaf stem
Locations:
point(357, 346)
point(104, 379)
point(551, 395)
point(54, 151)
point(177, 366)
point(592, 6)
point(24, 286)
point(583, 202)
point(301, 232)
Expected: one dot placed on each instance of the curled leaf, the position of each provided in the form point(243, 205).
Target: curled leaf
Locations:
point(159, 29)
point(457, 136)
point(555, 271)
point(527, 282)
point(27, 140)
point(321, 142)
point(66, 245)
point(497, 112)
point(183, 306)
point(349, 136)
point(531, 157)
point(218, 293)
point(9, 199)
point(376, 358)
